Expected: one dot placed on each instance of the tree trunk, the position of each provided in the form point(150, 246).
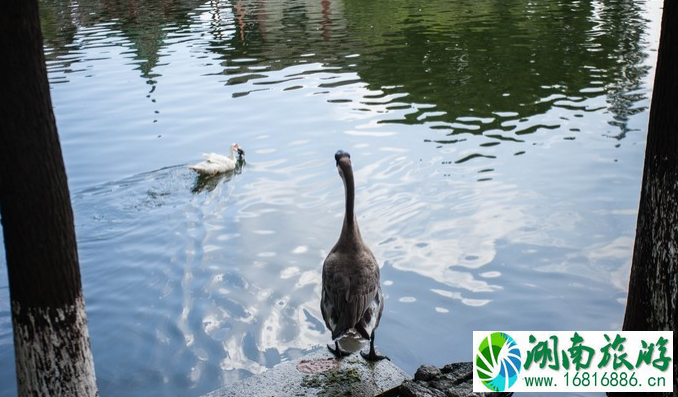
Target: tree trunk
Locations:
point(51, 341)
point(653, 285)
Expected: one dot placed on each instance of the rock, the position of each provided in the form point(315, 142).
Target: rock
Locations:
point(426, 373)
point(453, 380)
point(459, 372)
point(319, 374)
point(411, 388)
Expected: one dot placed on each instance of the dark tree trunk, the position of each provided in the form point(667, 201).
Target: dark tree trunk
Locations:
point(653, 285)
point(51, 342)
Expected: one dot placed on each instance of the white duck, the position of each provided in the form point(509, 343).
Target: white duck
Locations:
point(217, 163)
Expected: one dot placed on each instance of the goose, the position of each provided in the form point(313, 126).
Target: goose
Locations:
point(217, 163)
point(351, 302)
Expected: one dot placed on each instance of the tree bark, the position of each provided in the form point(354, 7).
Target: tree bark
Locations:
point(653, 285)
point(51, 341)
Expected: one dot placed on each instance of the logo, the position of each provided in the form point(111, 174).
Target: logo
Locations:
point(498, 361)
point(573, 361)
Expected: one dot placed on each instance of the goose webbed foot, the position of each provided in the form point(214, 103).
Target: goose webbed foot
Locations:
point(338, 353)
point(372, 355)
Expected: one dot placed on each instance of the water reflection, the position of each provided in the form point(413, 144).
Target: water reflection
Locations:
point(560, 55)
point(210, 182)
point(497, 148)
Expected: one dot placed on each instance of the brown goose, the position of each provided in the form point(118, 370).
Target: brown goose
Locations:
point(351, 301)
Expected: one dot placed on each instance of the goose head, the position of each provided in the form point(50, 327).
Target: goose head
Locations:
point(340, 154)
point(239, 151)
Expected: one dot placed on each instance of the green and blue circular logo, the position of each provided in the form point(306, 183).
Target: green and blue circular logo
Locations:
point(498, 361)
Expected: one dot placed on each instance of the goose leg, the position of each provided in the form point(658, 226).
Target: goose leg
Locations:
point(372, 355)
point(338, 353)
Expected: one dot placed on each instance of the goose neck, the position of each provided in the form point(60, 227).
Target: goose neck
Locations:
point(349, 230)
point(350, 199)
point(349, 189)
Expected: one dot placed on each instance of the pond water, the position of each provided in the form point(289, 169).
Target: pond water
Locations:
point(498, 151)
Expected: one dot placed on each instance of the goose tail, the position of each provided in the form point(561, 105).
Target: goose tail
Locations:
point(351, 341)
point(204, 168)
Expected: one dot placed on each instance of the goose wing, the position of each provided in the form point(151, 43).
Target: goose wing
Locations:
point(348, 292)
point(208, 168)
point(216, 158)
